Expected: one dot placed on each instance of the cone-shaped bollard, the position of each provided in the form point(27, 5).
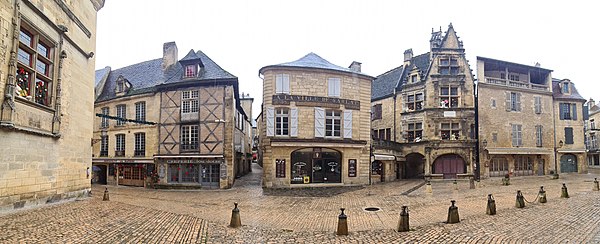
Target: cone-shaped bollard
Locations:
point(596, 186)
point(471, 183)
point(342, 229)
point(106, 197)
point(455, 185)
point(453, 214)
point(564, 193)
point(428, 188)
point(542, 195)
point(236, 221)
point(520, 200)
point(491, 205)
point(403, 222)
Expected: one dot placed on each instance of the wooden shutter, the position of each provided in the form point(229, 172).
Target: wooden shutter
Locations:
point(507, 101)
point(294, 122)
point(568, 135)
point(561, 111)
point(270, 121)
point(286, 84)
point(319, 122)
point(518, 101)
point(574, 111)
point(538, 105)
point(539, 135)
point(347, 123)
point(278, 83)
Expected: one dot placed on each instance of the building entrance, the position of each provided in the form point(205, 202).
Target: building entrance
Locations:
point(449, 165)
point(316, 165)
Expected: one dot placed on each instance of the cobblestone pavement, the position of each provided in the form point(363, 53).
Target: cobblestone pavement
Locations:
point(310, 215)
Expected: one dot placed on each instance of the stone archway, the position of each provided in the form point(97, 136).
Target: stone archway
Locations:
point(568, 163)
point(449, 165)
point(414, 167)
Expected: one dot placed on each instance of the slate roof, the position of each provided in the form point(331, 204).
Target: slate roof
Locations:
point(145, 76)
point(383, 86)
point(190, 56)
point(313, 60)
point(557, 92)
point(100, 74)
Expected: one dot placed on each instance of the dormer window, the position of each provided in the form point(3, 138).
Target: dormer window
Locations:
point(190, 71)
point(413, 79)
point(123, 86)
point(565, 87)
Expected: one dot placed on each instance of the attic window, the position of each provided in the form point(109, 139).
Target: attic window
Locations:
point(413, 79)
point(565, 87)
point(190, 71)
point(120, 86)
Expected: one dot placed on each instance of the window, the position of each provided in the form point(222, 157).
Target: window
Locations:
point(381, 135)
point(121, 113)
point(103, 120)
point(502, 75)
point(449, 97)
point(513, 101)
point(189, 137)
point(140, 144)
point(568, 135)
point(104, 146)
point(494, 137)
point(333, 87)
point(282, 84)
point(333, 125)
point(499, 167)
point(35, 57)
point(592, 124)
point(120, 145)
point(377, 111)
point(448, 66)
point(517, 136)
point(140, 111)
point(189, 101)
point(414, 102)
point(523, 165)
point(414, 132)
point(565, 87)
point(593, 142)
point(413, 79)
point(538, 105)
point(450, 131)
point(513, 77)
point(282, 122)
point(538, 135)
point(190, 71)
point(568, 111)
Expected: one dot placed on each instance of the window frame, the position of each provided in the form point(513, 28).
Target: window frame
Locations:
point(416, 103)
point(334, 87)
point(34, 80)
point(282, 121)
point(537, 104)
point(448, 65)
point(516, 135)
point(453, 133)
point(190, 71)
point(139, 144)
point(104, 146)
point(377, 112)
point(412, 130)
point(333, 118)
point(190, 101)
point(121, 112)
point(104, 122)
point(569, 140)
point(539, 136)
point(447, 100)
point(140, 111)
point(120, 145)
point(282, 84)
point(189, 137)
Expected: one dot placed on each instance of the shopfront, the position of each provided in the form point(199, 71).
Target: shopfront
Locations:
point(191, 172)
point(126, 172)
point(316, 165)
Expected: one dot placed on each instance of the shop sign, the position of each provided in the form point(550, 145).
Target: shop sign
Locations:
point(315, 101)
point(195, 161)
point(280, 168)
point(351, 167)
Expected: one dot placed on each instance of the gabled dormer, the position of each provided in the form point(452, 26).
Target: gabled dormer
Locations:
point(192, 65)
point(448, 40)
point(565, 86)
point(122, 86)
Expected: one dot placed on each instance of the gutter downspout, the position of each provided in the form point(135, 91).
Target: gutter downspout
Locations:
point(477, 158)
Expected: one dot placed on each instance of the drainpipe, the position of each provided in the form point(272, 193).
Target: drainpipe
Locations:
point(477, 158)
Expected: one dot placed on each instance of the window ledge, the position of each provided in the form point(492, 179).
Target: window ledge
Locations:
point(34, 104)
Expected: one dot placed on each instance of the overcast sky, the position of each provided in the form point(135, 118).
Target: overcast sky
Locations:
point(243, 36)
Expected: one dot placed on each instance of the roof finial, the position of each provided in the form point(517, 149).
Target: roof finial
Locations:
point(450, 25)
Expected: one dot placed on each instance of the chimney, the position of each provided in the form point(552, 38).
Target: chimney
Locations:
point(538, 64)
point(355, 66)
point(408, 55)
point(591, 103)
point(169, 54)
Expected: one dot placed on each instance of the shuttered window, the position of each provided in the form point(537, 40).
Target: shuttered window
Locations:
point(294, 122)
point(270, 121)
point(538, 135)
point(568, 111)
point(538, 105)
point(377, 112)
point(517, 136)
point(347, 116)
point(282, 83)
point(568, 135)
point(513, 101)
point(282, 122)
point(319, 122)
point(334, 87)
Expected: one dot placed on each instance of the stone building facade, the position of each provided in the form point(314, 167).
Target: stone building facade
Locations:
point(516, 119)
point(569, 127)
point(314, 127)
point(592, 134)
point(46, 82)
point(426, 110)
point(195, 130)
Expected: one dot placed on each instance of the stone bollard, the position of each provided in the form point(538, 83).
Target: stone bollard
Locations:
point(106, 197)
point(453, 214)
point(342, 228)
point(471, 183)
point(491, 205)
point(542, 195)
point(455, 185)
point(403, 224)
point(520, 200)
point(506, 180)
point(428, 188)
point(564, 193)
point(236, 221)
point(596, 186)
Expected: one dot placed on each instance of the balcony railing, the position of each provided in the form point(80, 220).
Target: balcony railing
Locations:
point(518, 84)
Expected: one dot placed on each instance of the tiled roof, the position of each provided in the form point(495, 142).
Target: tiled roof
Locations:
point(313, 60)
point(190, 56)
point(100, 75)
point(384, 85)
point(557, 92)
point(145, 76)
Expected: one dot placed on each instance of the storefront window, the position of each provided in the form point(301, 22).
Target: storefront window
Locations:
point(316, 165)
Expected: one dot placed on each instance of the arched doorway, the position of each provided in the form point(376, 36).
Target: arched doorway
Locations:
point(449, 165)
point(414, 167)
point(568, 163)
point(316, 165)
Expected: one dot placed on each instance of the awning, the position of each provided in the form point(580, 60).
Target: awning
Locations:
point(572, 151)
point(520, 150)
point(385, 157)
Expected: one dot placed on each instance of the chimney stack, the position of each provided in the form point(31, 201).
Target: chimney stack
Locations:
point(408, 55)
point(538, 64)
point(169, 54)
point(591, 103)
point(355, 66)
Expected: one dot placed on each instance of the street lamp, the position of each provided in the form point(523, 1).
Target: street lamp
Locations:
point(560, 144)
